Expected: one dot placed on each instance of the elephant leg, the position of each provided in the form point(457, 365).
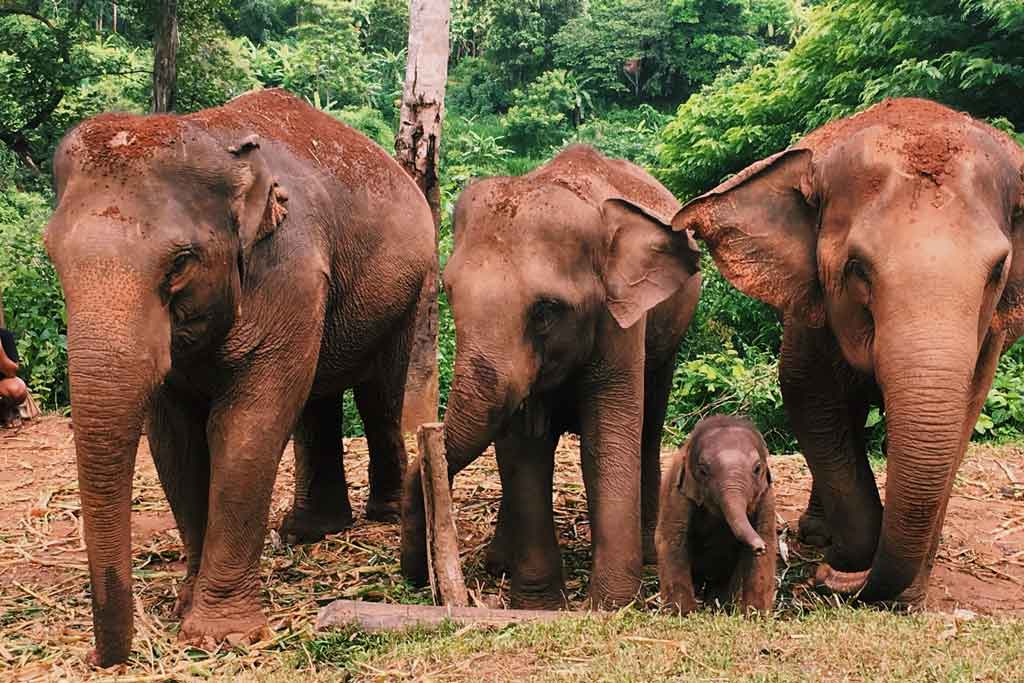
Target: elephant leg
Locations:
point(247, 435)
point(527, 474)
point(827, 415)
point(379, 400)
point(499, 550)
point(610, 451)
point(177, 441)
point(657, 384)
point(812, 527)
point(320, 505)
point(675, 569)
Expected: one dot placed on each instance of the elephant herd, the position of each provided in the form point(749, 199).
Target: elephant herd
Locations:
point(230, 273)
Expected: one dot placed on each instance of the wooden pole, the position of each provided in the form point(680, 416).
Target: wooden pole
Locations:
point(417, 149)
point(443, 562)
point(379, 616)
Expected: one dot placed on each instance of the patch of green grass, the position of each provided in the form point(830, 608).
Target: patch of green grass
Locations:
point(827, 644)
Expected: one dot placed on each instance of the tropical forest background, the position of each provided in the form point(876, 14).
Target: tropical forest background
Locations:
point(693, 90)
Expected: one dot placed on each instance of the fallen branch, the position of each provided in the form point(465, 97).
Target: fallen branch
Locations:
point(379, 616)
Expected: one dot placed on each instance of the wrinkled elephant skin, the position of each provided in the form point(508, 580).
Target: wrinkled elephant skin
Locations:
point(892, 244)
point(228, 274)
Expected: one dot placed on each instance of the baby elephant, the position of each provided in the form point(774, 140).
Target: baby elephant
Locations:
point(716, 527)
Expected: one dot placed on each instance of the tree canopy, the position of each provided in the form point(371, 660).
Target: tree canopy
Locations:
point(964, 53)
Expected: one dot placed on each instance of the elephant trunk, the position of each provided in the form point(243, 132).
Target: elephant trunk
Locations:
point(925, 383)
point(476, 408)
point(734, 510)
point(115, 360)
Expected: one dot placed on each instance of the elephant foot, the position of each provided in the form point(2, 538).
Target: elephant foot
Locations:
point(846, 583)
point(813, 529)
point(208, 632)
point(186, 590)
point(384, 510)
point(497, 561)
point(549, 599)
point(300, 527)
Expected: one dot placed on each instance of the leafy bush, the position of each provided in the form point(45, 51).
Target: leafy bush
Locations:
point(725, 382)
point(369, 122)
point(33, 302)
point(474, 88)
point(625, 133)
point(546, 112)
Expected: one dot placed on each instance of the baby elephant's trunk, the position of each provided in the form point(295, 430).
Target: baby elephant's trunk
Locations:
point(734, 509)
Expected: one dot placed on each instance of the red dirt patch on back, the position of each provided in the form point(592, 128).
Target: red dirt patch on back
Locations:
point(111, 142)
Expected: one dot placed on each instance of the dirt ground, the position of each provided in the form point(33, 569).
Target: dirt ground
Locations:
point(45, 623)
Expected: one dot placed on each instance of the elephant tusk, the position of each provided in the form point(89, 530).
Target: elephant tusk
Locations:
point(840, 582)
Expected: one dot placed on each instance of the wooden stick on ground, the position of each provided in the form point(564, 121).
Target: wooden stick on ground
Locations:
point(379, 616)
point(443, 563)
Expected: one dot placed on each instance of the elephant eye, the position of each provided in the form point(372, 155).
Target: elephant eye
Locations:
point(545, 313)
point(703, 471)
point(180, 267)
point(757, 469)
point(856, 268)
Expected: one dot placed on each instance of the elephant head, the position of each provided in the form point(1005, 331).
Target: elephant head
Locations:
point(155, 224)
point(527, 295)
point(727, 474)
point(901, 230)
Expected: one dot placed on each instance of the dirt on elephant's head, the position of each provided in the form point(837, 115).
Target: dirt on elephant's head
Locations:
point(115, 143)
point(928, 135)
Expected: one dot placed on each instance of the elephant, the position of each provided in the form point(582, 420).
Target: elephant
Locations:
point(892, 245)
point(716, 519)
point(227, 275)
point(570, 294)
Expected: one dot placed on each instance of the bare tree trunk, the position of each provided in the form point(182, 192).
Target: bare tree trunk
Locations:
point(417, 148)
point(165, 54)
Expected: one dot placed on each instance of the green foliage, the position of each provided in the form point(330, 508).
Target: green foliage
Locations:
point(320, 57)
point(725, 382)
point(658, 50)
point(625, 133)
point(545, 113)
point(519, 34)
point(33, 302)
point(369, 122)
point(383, 25)
point(475, 88)
point(964, 53)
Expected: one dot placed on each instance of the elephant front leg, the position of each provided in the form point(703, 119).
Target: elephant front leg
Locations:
point(610, 450)
point(672, 541)
point(827, 414)
point(177, 441)
point(320, 505)
point(527, 474)
point(245, 448)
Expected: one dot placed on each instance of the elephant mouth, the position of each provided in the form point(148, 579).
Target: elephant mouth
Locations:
point(845, 583)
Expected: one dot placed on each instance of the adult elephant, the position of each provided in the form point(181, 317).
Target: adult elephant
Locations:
point(892, 243)
point(570, 294)
point(229, 274)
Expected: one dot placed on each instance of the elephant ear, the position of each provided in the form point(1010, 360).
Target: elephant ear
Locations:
point(686, 483)
point(1010, 311)
point(257, 201)
point(762, 230)
point(647, 262)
